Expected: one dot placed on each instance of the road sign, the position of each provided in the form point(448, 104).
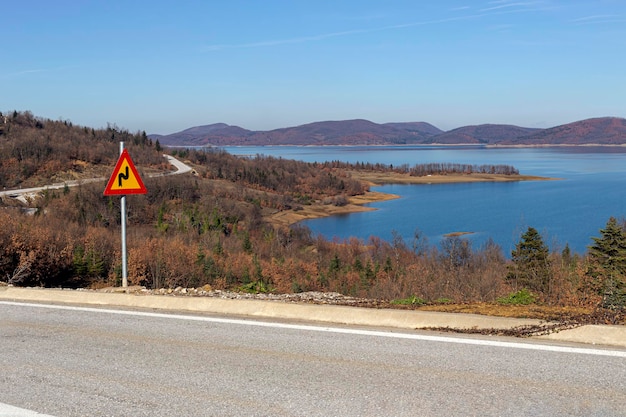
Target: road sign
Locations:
point(125, 178)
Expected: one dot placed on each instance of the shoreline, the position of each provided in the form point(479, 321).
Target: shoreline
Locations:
point(317, 210)
point(382, 178)
point(484, 145)
point(356, 204)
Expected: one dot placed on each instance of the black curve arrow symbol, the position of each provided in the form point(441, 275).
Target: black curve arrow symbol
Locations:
point(121, 177)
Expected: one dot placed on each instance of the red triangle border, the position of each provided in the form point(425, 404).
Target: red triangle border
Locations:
point(110, 191)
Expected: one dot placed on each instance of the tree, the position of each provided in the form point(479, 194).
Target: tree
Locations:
point(420, 243)
point(456, 252)
point(530, 266)
point(609, 250)
point(608, 264)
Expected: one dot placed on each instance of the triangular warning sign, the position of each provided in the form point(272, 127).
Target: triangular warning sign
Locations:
point(125, 179)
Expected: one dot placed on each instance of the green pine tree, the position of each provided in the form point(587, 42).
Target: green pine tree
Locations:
point(95, 264)
point(79, 263)
point(609, 250)
point(608, 264)
point(531, 267)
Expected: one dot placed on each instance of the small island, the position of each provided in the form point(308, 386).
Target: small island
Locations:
point(458, 234)
point(381, 178)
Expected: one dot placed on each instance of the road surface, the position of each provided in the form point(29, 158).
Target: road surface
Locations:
point(73, 361)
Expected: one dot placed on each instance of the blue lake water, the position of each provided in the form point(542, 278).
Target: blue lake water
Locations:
point(592, 187)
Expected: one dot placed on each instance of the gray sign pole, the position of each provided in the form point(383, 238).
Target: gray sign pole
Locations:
point(123, 220)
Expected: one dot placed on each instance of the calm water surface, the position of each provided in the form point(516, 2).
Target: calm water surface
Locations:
point(592, 187)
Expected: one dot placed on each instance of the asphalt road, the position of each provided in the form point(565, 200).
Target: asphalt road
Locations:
point(72, 361)
point(181, 168)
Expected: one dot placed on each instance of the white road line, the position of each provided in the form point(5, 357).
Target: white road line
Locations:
point(7, 410)
point(360, 332)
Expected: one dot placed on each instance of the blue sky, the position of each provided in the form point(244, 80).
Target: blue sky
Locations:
point(163, 66)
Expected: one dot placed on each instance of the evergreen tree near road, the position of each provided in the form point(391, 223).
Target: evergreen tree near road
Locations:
point(531, 265)
point(608, 264)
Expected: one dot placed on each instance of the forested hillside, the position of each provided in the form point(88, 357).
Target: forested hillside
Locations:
point(210, 228)
point(35, 151)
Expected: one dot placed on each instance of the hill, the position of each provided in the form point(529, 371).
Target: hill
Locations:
point(487, 134)
point(602, 131)
point(417, 127)
point(345, 132)
point(220, 133)
point(35, 151)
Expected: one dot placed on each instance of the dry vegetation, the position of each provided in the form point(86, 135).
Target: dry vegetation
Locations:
point(230, 226)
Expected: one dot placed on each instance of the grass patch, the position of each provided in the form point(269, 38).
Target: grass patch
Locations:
point(256, 287)
point(410, 301)
point(521, 297)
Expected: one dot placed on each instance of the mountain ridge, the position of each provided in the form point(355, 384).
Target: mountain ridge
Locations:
point(600, 131)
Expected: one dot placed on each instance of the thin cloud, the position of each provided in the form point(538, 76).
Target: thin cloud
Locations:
point(24, 72)
point(500, 28)
point(313, 38)
point(31, 71)
point(601, 18)
point(333, 34)
point(501, 1)
point(508, 5)
point(286, 41)
point(595, 17)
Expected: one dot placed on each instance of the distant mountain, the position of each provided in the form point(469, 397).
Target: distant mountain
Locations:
point(603, 131)
point(345, 132)
point(418, 127)
point(199, 135)
point(486, 134)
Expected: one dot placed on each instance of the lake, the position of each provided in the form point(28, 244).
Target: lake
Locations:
point(592, 188)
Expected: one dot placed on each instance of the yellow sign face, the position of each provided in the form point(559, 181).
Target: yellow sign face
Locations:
point(125, 178)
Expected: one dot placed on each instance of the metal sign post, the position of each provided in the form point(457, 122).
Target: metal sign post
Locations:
point(123, 221)
point(125, 180)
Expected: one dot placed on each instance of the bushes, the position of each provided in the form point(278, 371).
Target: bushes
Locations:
point(35, 253)
point(201, 239)
point(205, 245)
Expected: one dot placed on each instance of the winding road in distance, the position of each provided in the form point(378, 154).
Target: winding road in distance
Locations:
point(21, 194)
point(77, 361)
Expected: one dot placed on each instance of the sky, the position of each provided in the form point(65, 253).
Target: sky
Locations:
point(163, 66)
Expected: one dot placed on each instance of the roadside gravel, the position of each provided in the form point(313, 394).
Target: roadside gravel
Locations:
point(311, 297)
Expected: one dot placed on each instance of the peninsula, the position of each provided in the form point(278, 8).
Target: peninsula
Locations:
point(358, 203)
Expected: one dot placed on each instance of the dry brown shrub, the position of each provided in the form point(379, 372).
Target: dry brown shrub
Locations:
point(240, 266)
point(46, 248)
point(290, 274)
point(157, 263)
point(51, 167)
